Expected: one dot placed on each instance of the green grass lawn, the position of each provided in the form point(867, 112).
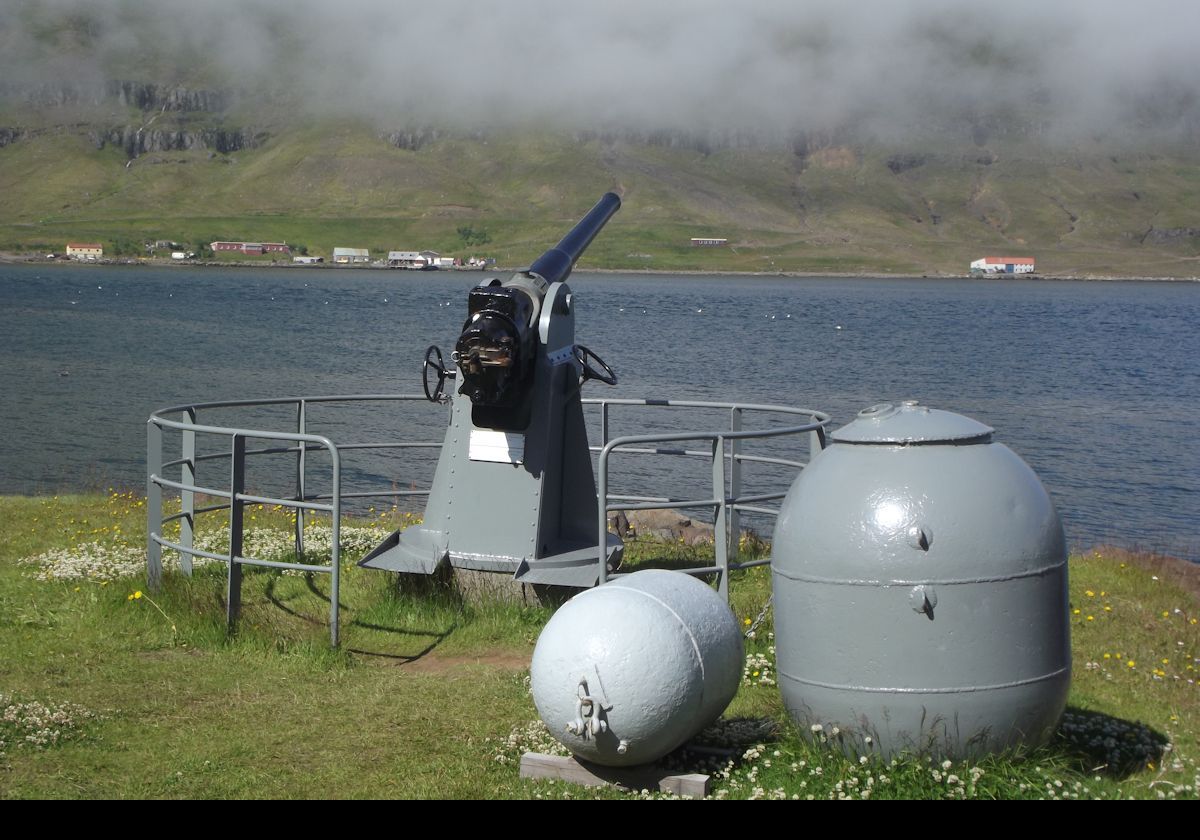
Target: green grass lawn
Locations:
point(108, 690)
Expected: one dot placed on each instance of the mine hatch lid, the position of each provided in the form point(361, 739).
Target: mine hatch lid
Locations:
point(910, 423)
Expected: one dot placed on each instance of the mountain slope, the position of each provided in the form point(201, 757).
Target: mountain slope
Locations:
point(119, 170)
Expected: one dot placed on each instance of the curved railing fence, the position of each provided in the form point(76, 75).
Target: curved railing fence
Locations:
point(213, 445)
point(726, 493)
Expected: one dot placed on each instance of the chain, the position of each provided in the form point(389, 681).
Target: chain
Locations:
point(754, 625)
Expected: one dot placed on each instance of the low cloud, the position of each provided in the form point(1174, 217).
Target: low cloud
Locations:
point(772, 67)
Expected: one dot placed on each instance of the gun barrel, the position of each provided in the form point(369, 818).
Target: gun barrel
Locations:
point(555, 265)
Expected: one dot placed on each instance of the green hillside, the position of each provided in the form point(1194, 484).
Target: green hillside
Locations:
point(919, 208)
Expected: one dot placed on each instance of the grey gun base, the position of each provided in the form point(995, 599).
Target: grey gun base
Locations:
point(423, 551)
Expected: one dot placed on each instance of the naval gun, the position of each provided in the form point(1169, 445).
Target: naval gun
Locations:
point(513, 491)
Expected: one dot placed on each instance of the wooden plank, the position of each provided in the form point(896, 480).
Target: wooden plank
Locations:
point(642, 777)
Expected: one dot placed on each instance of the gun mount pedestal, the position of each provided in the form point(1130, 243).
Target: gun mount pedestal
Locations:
point(514, 490)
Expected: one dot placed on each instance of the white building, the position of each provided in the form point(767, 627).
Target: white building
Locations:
point(351, 255)
point(85, 250)
point(1004, 265)
point(407, 259)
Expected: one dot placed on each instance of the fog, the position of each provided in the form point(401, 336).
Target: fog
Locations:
point(775, 67)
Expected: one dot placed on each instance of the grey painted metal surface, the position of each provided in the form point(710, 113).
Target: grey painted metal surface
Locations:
point(920, 582)
point(516, 501)
point(624, 673)
point(910, 423)
point(514, 490)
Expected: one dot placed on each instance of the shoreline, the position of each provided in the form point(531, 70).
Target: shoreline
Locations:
point(33, 260)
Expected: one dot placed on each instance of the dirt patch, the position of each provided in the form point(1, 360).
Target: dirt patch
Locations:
point(1181, 573)
point(501, 661)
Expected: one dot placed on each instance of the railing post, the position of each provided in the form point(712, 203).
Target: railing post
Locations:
point(153, 506)
point(720, 524)
point(735, 486)
point(336, 547)
point(602, 510)
point(301, 448)
point(187, 498)
point(603, 424)
point(237, 485)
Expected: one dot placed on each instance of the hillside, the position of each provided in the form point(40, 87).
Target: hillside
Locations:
point(136, 162)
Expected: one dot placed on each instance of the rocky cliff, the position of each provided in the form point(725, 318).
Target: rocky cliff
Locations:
point(205, 110)
point(138, 140)
point(155, 97)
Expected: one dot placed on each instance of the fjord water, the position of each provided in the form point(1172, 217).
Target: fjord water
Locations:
point(1095, 384)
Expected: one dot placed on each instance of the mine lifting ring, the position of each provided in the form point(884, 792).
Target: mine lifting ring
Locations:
point(585, 357)
point(435, 362)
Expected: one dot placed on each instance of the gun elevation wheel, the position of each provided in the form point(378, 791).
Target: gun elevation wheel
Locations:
point(435, 362)
point(585, 357)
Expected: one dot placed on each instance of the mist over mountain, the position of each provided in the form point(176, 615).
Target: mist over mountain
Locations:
point(811, 136)
point(1065, 71)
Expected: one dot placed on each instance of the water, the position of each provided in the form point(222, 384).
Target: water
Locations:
point(1097, 385)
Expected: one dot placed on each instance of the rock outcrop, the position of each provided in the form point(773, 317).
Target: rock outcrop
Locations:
point(145, 96)
point(1164, 236)
point(154, 97)
point(137, 141)
point(10, 135)
point(411, 139)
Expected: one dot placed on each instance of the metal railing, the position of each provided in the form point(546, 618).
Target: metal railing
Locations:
point(727, 499)
point(298, 443)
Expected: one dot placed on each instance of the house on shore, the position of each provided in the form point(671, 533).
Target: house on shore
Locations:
point(85, 250)
point(347, 256)
point(406, 259)
point(436, 260)
point(1004, 265)
point(419, 259)
point(708, 242)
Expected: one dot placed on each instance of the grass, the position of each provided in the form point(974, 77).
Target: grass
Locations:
point(126, 693)
point(1080, 211)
